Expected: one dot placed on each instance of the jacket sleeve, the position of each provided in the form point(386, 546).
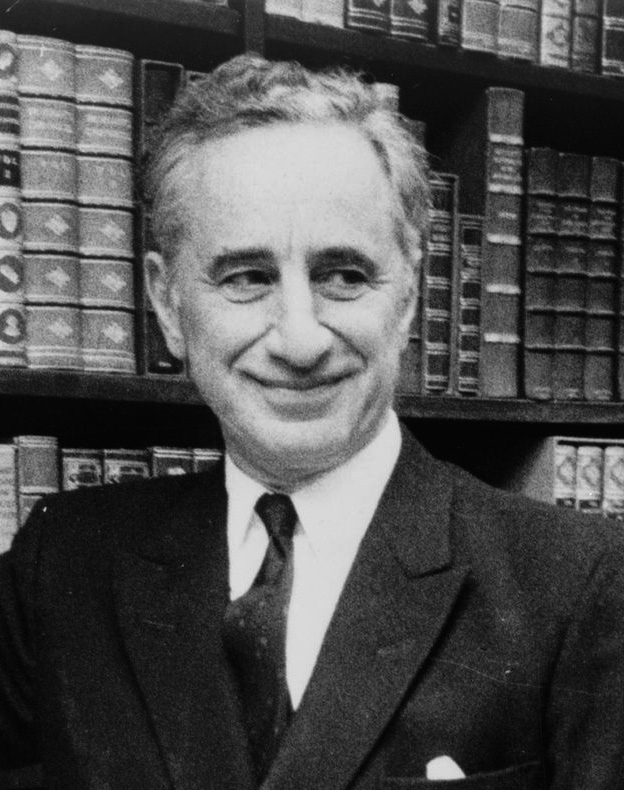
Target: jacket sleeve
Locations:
point(18, 572)
point(585, 713)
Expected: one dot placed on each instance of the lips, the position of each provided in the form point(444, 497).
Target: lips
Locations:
point(302, 384)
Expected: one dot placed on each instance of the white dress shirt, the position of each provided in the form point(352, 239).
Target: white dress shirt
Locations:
point(334, 512)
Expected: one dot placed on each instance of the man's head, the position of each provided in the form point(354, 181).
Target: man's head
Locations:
point(287, 206)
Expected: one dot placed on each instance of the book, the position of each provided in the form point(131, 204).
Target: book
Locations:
point(518, 30)
point(12, 295)
point(157, 84)
point(540, 272)
point(369, 15)
point(612, 50)
point(479, 25)
point(555, 33)
point(564, 489)
point(121, 465)
point(446, 23)
point(108, 340)
point(466, 312)
point(9, 509)
point(54, 337)
point(485, 147)
point(323, 12)
point(37, 470)
point(586, 35)
point(81, 468)
point(437, 283)
point(589, 472)
point(168, 461)
point(613, 482)
point(602, 279)
point(412, 20)
point(204, 458)
point(573, 184)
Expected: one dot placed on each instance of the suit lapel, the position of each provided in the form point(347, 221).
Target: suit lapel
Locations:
point(395, 603)
point(170, 595)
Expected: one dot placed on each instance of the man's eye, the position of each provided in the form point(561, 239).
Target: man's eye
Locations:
point(245, 285)
point(342, 283)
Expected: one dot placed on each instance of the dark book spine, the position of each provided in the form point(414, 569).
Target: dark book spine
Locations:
point(479, 25)
point(156, 84)
point(602, 279)
point(555, 33)
point(37, 470)
point(370, 15)
point(540, 272)
point(586, 35)
point(466, 315)
point(447, 14)
point(565, 459)
point(573, 180)
point(518, 29)
point(612, 49)
point(437, 283)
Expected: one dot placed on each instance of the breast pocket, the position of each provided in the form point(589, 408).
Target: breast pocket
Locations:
point(528, 776)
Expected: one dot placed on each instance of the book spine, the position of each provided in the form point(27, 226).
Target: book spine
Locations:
point(586, 36)
point(105, 196)
point(565, 461)
point(501, 273)
point(156, 83)
point(124, 465)
point(48, 144)
point(205, 459)
point(81, 468)
point(573, 184)
point(540, 272)
point(589, 473)
point(323, 12)
point(602, 285)
point(12, 295)
point(479, 25)
point(466, 315)
point(9, 514)
point(555, 33)
point(291, 8)
point(613, 482)
point(447, 32)
point(412, 20)
point(369, 15)
point(170, 461)
point(612, 49)
point(518, 30)
point(37, 470)
point(437, 283)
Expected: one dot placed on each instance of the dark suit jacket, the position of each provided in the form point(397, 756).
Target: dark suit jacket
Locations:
point(473, 624)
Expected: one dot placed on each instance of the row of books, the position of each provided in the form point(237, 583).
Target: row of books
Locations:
point(585, 474)
point(66, 205)
point(582, 35)
point(32, 466)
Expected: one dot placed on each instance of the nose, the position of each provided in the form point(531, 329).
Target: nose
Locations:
point(297, 337)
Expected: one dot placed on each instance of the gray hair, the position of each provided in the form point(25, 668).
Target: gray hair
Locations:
point(248, 92)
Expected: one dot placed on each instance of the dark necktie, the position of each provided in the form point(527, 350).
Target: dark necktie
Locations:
point(254, 632)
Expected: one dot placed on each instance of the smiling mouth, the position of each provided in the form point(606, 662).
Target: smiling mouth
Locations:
point(302, 385)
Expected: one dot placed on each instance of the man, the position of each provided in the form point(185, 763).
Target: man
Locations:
point(423, 629)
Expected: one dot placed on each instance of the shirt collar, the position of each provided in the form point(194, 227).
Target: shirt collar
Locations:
point(336, 508)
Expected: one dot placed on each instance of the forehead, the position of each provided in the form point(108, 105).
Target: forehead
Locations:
point(287, 177)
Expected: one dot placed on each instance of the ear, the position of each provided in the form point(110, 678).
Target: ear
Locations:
point(164, 298)
point(412, 279)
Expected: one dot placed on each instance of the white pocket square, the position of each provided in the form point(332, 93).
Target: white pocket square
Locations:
point(444, 767)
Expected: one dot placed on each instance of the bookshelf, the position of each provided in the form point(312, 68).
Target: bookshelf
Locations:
point(437, 83)
point(567, 110)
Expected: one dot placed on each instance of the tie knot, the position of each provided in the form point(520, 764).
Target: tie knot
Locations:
point(279, 516)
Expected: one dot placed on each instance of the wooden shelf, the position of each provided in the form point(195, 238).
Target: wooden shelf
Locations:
point(480, 67)
point(181, 391)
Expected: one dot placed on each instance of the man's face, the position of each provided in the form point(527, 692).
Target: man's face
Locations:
point(291, 298)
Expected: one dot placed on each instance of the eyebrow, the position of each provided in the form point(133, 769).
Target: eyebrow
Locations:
point(231, 258)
